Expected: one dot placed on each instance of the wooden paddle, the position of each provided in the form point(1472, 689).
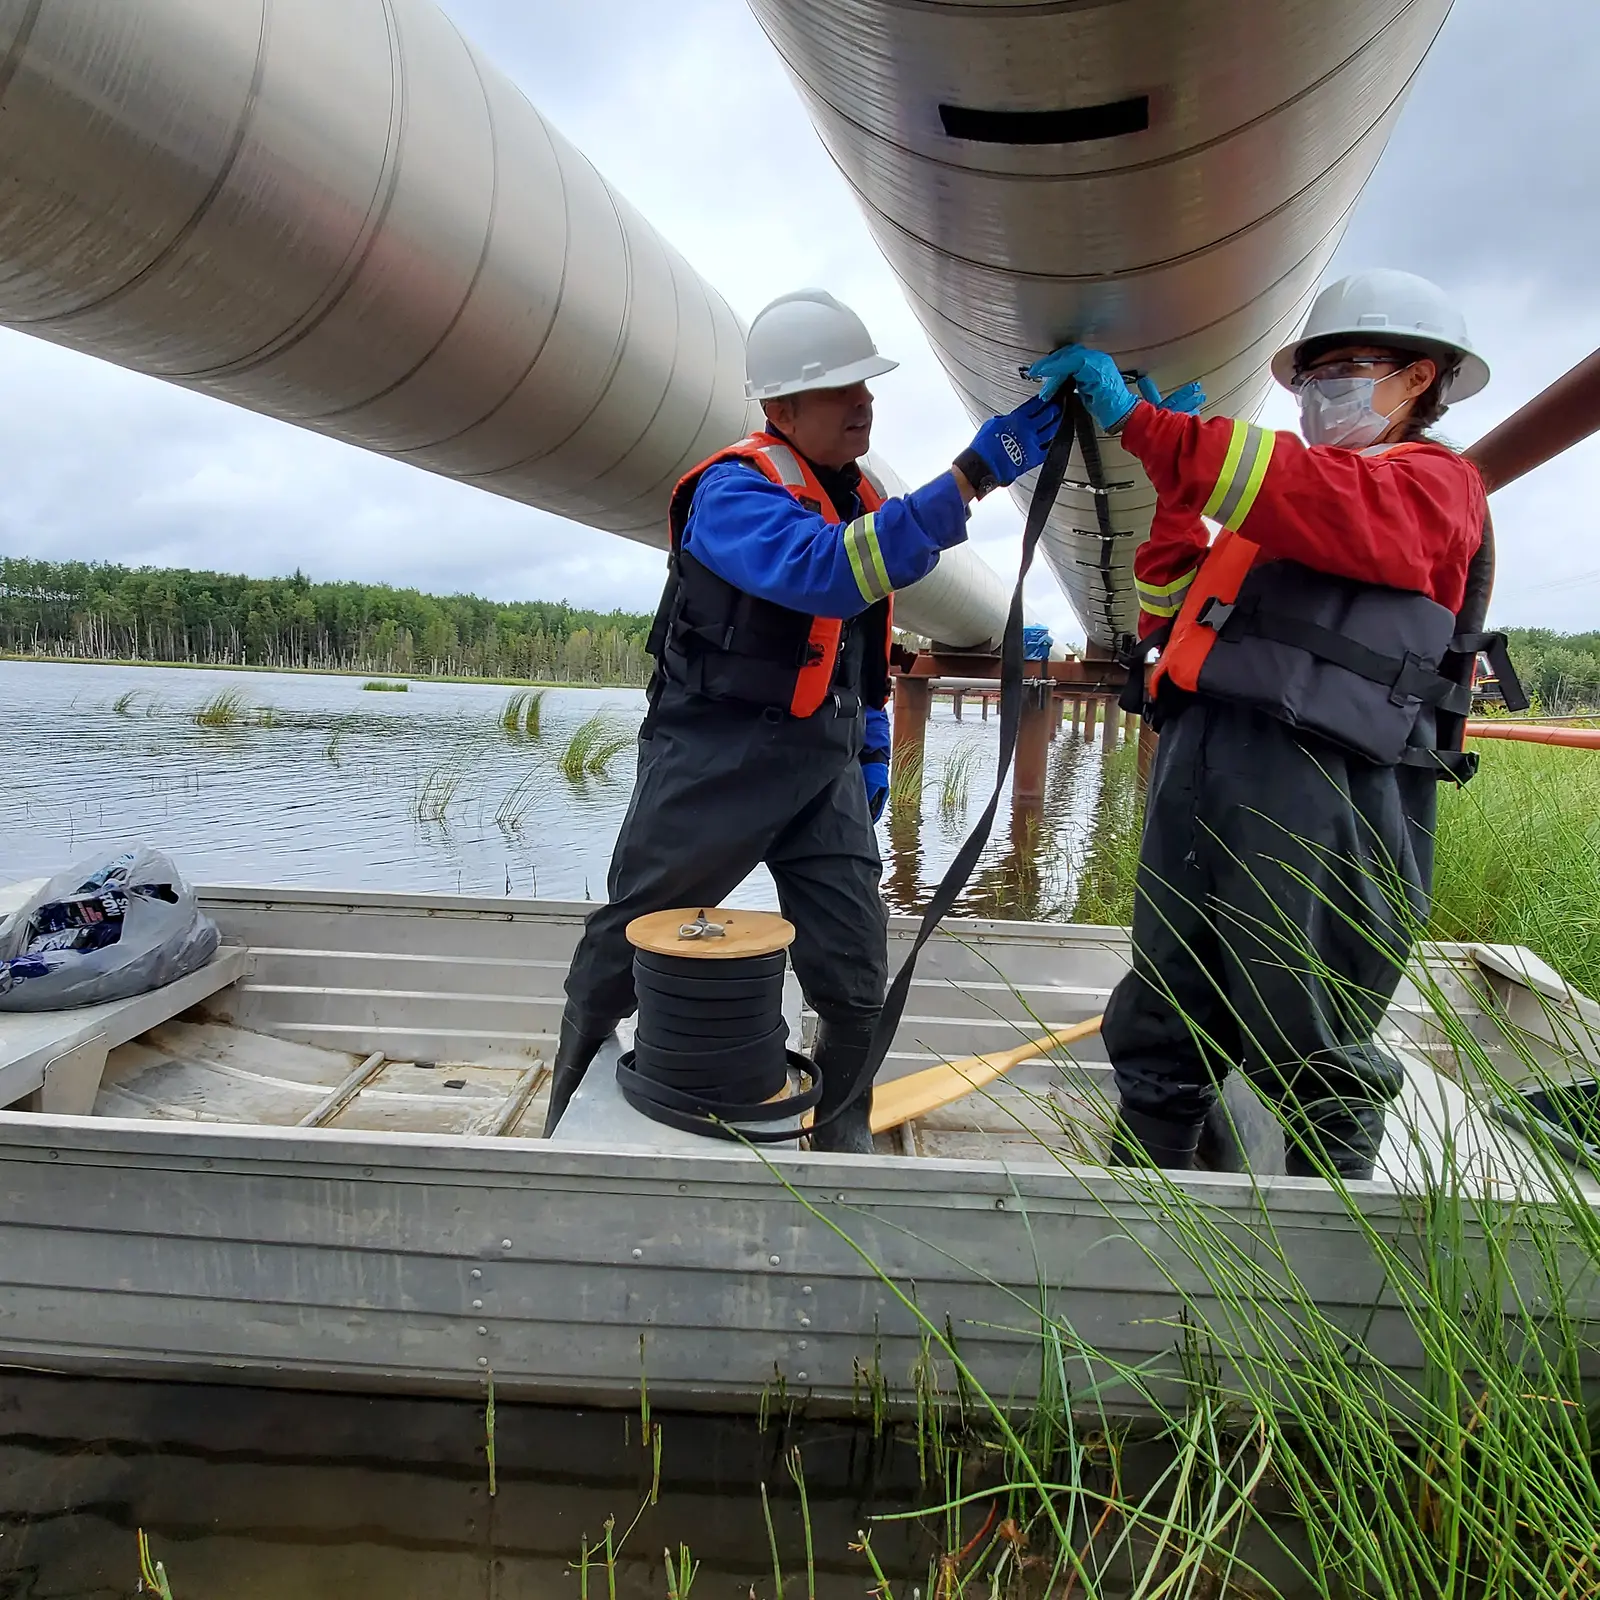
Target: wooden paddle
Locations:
point(918, 1093)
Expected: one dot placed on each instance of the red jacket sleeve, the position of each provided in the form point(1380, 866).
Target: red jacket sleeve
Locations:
point(1165, 565)
point(1410, 519)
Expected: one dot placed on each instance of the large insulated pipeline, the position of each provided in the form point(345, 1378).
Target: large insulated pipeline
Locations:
point(1164, 179)
point(340, 215)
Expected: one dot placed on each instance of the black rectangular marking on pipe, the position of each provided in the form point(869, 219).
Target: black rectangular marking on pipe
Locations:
point(1072, 125)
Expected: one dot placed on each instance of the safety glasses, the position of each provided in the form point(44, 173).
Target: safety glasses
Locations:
point(1354, 367)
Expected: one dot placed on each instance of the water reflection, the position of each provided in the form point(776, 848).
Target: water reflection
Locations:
point(250, 1493)
point(1070, 860)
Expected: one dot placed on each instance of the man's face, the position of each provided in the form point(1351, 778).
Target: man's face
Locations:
point(831, 426)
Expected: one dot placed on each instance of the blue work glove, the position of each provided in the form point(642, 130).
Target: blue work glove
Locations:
point(1036, 643)
point(875, 759)
point(1008, 446)
point(1188, 398)
point(1102, 386)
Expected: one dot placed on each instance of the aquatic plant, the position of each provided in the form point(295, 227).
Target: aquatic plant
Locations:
point(381, 686)
point(523, 796)
point(436, 793)
point(330, 747)
point(522, 712)
point(955, 779)
point(152, 1575)
point(227, 709)
point(594, 744)
point(906, 779)
point(123, 704)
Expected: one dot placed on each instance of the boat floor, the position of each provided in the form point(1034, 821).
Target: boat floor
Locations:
point(200, 1070)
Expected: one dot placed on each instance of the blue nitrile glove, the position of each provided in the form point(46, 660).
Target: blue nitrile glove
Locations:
point(1102, 386)
point(1188, 398)
point(1036, 643)
point(875, 759)
point(1008, 446)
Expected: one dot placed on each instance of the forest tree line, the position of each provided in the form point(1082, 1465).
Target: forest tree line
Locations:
point(109, 613)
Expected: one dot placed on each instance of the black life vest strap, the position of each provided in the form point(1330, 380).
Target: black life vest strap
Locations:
point(1407, 677)
point(1494, 647)
point(1134, 660)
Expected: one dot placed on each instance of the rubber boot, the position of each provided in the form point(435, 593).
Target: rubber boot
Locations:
point(574, 1051)
point(1344, 1135)
point(841, 1051)
point(1139, 1139)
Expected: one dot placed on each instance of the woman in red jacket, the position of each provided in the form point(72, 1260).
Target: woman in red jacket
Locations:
point(1287, 856)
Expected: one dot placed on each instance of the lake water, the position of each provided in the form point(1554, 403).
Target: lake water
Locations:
point(259, 1495)
point(349, 788)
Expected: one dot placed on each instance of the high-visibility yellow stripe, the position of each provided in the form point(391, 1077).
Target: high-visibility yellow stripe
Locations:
point(1160, 591)
point(1230, 465)
point(878, 567)
point(1258, 473)
point(866, 558)
point(1169, 607)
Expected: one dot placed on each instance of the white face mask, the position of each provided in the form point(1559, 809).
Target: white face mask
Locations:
point(1340, 411)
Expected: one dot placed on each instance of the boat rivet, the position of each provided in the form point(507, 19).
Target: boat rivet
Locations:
point(839, 1198)
point(482, 1331)
point(505, 1244)
point(805, 1288)
point(638, 1255)
point(805, 1322)
point(477, 1305)
point(800, 1344)
point(55, 1155)
point(683, 1188)
point(483, 1361)
point(477, 1272)
point(1000, 1204)
point(366, 1172)
point(801, 1376)
point(773, 1261)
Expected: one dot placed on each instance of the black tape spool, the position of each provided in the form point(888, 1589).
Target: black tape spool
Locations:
point(710, 1044)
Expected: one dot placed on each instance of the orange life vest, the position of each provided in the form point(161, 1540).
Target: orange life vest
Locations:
point(729, 645)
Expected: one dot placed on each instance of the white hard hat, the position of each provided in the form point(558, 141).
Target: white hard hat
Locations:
point(1396, 309)
point(807, 340)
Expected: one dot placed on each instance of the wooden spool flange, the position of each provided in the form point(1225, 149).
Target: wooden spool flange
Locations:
point(744, 933)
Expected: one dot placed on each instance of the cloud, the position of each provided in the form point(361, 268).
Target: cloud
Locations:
point(687, 110)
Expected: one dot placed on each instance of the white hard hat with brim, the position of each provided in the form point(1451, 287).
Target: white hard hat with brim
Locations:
point(808, 340)
point(1399, 311)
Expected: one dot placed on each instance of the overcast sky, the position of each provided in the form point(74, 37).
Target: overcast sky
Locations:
point(1484, 188)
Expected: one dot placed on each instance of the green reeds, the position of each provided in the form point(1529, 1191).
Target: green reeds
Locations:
point(906, 780)
point(382, 686)
point(227, 709)
point(523, 797)
point(436, 794)
point(1518, 859)
point(488, 1436)
point(595, 743)
point(955, 780)
point(123, 704)
point(523, 712)
point(152, 1575)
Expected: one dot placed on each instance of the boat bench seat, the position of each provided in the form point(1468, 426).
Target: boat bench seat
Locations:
point(60, 1055)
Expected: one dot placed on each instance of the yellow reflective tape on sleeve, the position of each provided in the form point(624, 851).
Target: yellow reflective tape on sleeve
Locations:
point(1263, 443)
point(1160, 591)
point(1230, 465)
point(866, 558)
point(1162, 608)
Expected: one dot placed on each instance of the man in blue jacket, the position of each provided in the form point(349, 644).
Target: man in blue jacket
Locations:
point(766, 739)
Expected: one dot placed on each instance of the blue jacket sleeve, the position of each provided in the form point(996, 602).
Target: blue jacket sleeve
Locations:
point(755, 535)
